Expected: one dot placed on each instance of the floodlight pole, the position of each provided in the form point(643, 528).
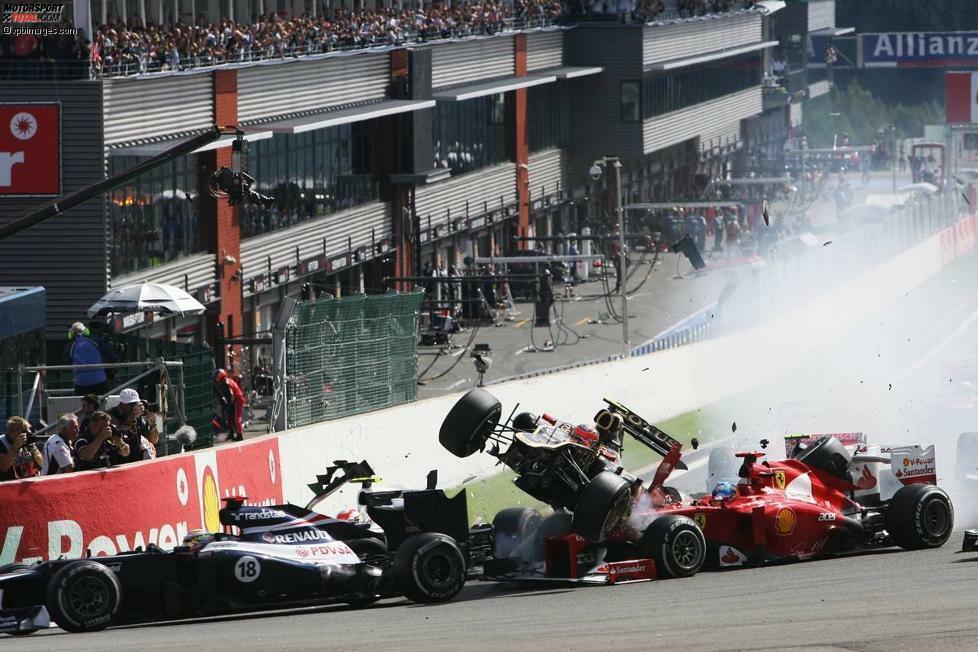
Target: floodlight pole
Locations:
point(622, 259)
point(614, 188)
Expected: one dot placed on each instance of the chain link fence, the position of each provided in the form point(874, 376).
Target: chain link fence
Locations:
point(351, 355)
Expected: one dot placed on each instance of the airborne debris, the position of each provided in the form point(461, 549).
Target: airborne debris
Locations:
point(826, 243)
point(733, 428)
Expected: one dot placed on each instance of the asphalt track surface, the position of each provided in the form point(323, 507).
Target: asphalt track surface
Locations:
point(883, 600)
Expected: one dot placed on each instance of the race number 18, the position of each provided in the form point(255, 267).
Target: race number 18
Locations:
point(247, 569)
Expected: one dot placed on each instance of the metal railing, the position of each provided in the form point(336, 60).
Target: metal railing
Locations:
point(325, 45)
point(157, 366)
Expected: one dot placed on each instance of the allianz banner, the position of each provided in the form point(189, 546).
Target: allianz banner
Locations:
point(920, 49)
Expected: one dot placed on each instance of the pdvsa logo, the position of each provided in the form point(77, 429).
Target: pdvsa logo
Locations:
point(30, 149)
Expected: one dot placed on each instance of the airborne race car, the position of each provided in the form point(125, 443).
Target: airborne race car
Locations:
point(820, 500)
point(283, 555)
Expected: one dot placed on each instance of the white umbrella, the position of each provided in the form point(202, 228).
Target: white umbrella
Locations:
point(147, 297)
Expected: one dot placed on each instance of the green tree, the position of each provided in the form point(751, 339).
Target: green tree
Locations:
point(852, 109)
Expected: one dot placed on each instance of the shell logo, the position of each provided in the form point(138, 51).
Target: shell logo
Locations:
point(785, 521)
point(211, 501)
point(906, 461)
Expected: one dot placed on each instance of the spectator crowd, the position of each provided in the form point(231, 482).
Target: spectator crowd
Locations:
point(134, 48)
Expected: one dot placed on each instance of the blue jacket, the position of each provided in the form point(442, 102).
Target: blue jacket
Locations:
point(85, 351)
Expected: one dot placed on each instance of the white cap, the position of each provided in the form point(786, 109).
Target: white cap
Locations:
point(128, 395)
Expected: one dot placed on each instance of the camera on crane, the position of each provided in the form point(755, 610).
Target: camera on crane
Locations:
point(237, 187)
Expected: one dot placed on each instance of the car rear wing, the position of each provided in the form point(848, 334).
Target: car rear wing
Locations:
point(645, 432)
point(878, 471)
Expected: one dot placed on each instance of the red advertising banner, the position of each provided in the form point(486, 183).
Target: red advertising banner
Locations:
point(959, 239)
point(126, 507)
point(30, 149)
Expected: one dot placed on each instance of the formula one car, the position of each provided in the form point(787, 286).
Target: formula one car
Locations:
point(280, 555)
point(820, 500)
point(566, 466)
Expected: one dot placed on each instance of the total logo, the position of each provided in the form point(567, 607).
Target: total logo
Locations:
point(29, 149)
point(23, 126)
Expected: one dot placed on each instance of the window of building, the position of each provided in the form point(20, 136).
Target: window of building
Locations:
point(697, 84)
point(470, 135)
point(153, 219)
point(547, 123)
point(310, 175)
point(631, 101)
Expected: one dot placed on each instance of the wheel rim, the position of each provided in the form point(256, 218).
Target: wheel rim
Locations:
point(614, 515)
point(89, 597)
point(686, 550)
point(936, 519)
point(438, 569)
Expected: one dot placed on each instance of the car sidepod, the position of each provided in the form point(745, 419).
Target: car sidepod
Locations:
point(236, 575)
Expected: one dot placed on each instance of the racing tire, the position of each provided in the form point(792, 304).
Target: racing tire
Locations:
point(920, 516)
point(429, 567)
point(676, 545)
point(84, 596)
point(470, 422)
point(511, 527)
point(602, 506)
point(366, 547)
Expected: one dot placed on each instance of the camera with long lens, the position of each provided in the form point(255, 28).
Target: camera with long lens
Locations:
point(238, 188)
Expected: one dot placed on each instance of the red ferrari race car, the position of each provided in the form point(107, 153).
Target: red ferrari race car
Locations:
point(822, 499)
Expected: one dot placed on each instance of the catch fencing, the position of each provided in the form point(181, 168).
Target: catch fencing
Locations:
point(350, 355)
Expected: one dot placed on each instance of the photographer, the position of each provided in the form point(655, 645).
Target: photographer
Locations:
point(19, 457)
point(58, 457)
point(135, 420)
point(101, 446)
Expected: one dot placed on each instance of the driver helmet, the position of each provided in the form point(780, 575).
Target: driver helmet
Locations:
point(352, 516)
point(724, 490)
point(197, 539)
point(525, 421)
point(585, 434)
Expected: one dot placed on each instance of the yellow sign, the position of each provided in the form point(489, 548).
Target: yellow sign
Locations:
point(700, 519)
point(785, 521)
point(779, 479)
point(212, 503)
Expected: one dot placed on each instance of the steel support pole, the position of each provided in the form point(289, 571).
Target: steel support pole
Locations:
point(615, 166)
point(895, 158)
